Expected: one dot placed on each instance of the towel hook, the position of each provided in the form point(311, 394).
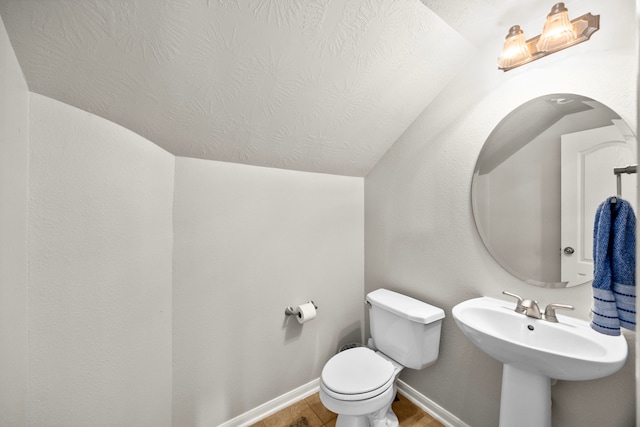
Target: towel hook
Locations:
point(629, 169)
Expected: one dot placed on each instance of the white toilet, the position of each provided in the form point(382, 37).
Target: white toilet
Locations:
point(359, 384)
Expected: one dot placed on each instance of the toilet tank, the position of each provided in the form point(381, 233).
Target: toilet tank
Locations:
point(405, 329)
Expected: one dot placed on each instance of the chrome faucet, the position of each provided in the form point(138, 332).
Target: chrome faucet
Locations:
point(530, 308)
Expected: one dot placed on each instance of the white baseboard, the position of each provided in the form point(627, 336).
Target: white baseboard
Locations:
point(429, 406)
point(273, 406)
point(306, 390)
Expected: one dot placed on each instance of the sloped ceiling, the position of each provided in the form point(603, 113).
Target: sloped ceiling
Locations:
point(312, 85)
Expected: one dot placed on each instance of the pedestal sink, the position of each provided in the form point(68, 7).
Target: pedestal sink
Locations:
point(533, 352)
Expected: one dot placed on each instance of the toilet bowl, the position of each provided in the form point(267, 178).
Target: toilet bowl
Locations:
point(359, 384)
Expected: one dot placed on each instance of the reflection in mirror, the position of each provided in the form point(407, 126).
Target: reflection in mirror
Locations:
point(538, 181)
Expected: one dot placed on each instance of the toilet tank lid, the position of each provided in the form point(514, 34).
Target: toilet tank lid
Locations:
point(404, 306)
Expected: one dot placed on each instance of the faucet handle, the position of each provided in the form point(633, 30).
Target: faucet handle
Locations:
point(519, 308)
point(550, 311)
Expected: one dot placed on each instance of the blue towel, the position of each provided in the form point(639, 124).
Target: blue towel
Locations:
point(614, 248)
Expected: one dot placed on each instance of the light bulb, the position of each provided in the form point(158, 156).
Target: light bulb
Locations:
point(558, 31)
point(515, 51)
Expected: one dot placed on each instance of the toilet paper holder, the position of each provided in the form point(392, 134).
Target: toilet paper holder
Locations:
point(290, 311)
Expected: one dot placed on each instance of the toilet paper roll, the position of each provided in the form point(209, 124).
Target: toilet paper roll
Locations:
point(305, 312)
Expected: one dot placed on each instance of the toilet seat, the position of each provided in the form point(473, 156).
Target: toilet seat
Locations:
point(357, 374)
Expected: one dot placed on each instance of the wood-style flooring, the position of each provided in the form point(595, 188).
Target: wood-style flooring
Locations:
point(310, 412)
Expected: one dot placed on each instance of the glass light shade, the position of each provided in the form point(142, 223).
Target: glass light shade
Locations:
point(515, 50)
point(558, 31)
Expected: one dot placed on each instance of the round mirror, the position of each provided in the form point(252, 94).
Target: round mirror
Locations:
point(539, 179)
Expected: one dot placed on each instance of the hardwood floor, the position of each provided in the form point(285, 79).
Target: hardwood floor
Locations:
point(311, 413)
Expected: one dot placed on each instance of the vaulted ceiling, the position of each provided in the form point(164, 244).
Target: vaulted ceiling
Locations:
point(313, 85)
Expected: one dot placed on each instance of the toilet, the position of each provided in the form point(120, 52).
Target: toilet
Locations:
point(359, 384)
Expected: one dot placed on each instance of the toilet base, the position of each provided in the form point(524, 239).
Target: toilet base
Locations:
point(385, 417)
point(352, 421)
point(376, 412)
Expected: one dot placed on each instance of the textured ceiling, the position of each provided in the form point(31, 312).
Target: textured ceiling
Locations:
point(313, 85)
point(480, 21)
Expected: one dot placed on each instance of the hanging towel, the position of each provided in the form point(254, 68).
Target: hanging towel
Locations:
point(614, 267)
point(605, 314)
point(623, 263)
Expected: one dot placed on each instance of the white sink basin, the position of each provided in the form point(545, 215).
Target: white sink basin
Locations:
point(533, 351)
point(568, 350)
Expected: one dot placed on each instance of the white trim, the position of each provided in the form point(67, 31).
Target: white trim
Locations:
point(254, 415)
point(429, 406)
point(271, 407)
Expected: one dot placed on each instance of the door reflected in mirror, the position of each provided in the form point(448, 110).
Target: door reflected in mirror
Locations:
point(538, 181)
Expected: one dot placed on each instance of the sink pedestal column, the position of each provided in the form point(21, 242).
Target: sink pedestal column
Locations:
point(525, 399)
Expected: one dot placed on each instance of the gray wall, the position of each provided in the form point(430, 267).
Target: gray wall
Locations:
point(420, 236)
point(100, 246)
point(250, 241)
point(14, 155)
point(114, 333)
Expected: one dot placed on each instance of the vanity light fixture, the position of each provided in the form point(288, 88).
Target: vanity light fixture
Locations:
point(558, 33)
